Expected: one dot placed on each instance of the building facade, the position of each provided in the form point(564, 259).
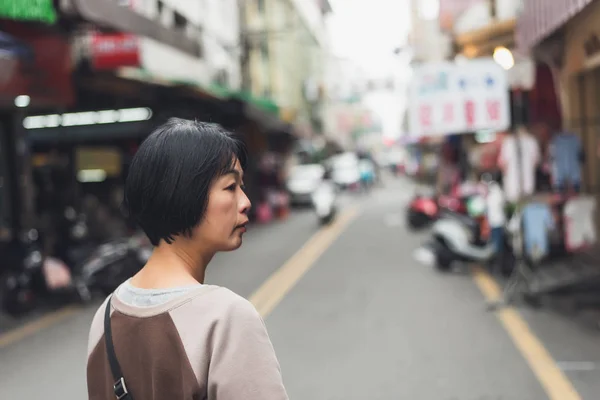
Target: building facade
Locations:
point(287, 51)
point(427, 39)
point(565, 37)
point(212, 26)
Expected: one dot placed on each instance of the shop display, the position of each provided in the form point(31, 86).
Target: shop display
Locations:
point(566, 156)
point(580, 229)
point(518, 163)
point(537, 222)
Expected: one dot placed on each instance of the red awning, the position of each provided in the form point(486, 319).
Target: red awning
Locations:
point(540, 18)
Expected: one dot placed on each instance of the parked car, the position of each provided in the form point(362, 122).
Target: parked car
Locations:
point(303, 181)
point(345, 171)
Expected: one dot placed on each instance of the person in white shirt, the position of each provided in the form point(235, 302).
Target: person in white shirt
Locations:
point(519, 172)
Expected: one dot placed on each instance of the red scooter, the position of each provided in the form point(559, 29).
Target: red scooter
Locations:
point(424, 209)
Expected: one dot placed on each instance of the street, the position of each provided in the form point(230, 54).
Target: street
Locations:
point(363, 321)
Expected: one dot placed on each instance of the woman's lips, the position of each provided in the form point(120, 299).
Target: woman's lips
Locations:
point(241, 227)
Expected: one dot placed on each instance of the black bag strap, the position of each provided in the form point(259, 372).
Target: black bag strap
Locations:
point(119, 386)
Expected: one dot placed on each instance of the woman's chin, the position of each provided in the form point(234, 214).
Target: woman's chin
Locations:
point(234, 244)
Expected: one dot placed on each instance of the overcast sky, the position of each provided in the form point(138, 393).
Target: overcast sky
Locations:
point(367, 32)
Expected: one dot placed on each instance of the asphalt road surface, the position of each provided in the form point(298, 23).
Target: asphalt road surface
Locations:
point(353, 316)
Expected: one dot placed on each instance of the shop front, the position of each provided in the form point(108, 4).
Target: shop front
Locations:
point(573, 52)
point(36, 75)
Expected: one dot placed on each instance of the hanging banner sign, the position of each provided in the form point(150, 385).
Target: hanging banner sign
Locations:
point(449, 98)
point(110, 51)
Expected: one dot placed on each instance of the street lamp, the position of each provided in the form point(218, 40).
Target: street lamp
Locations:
point(504, 57)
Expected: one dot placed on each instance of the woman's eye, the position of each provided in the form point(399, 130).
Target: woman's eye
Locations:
point(243, 187)
point(231, 187)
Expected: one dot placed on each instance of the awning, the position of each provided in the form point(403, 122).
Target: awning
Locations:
point(540, 18)
point(262, 103)
point(109, 13)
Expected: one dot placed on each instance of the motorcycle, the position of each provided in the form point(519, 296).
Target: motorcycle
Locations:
point(425, 209)
point(34, 277)
point(459, 238)
point(325, 202)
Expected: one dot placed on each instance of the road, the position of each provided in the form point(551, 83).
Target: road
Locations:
point(352, 316)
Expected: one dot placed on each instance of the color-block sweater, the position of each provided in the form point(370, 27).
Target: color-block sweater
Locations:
point(202, 342)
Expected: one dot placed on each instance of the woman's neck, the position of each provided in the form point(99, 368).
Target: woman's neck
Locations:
point(172, 265)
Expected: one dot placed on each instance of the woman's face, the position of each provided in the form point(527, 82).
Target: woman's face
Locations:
point(226, 214)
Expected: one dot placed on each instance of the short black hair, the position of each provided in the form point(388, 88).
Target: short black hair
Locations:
point(166, 192)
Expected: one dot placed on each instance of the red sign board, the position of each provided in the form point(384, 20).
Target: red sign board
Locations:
point(45, 77)
point(114, 50)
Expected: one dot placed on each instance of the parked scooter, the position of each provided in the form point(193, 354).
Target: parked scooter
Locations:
point(458, 238)
point(426, 208)
point(34, 277)
point(114, 262)
point(324, 200)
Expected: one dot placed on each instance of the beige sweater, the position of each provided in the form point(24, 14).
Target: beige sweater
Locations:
point(208, 343)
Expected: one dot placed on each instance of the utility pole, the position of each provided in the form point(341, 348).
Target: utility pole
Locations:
point(245, 44)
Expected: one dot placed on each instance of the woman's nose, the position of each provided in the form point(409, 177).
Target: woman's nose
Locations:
point(245, 204)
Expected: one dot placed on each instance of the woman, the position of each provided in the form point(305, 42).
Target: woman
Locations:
point(173, 336)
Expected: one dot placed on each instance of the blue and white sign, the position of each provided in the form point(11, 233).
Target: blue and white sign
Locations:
point(449, 98)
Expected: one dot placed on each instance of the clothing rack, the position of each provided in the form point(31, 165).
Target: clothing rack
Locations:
point(521, 277)
point(532, 281)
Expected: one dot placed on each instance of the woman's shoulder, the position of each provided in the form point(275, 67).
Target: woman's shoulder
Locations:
point(218, 303)
point(223, 302)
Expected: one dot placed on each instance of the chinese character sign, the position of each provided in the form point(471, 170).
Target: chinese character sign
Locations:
point(448, 98)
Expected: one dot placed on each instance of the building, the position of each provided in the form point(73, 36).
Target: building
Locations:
point(426, 38)
point(565, 36)
point(89, 79)
point(287, 51)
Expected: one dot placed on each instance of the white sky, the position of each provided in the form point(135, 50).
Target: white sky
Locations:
point(366, 32)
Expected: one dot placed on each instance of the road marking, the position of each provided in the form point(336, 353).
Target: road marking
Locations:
point(274, 289)
point(550, 376)
point(33, 327)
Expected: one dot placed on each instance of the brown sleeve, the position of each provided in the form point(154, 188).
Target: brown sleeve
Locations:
point(243, 362)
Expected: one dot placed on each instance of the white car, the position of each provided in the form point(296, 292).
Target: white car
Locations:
point(303, 181)
point(345, 170)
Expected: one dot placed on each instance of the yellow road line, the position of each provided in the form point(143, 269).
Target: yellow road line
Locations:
point(270, 294)
point(32, 327)
point(552, 379)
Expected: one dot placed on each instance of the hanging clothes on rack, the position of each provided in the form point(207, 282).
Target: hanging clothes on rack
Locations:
point(518, 163)
point(537, 222)
point(566, 156)
point(580, 229)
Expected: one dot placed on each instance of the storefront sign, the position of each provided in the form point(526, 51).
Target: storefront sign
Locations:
point(110, 51)
point(87, 118)
point(447, 98)
point(28, 10)
point(119, 16)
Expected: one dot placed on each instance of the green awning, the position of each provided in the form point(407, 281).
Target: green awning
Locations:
point(263, 103)
point(28, 10)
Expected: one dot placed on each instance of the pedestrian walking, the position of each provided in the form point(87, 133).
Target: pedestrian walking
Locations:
point(164, 333)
